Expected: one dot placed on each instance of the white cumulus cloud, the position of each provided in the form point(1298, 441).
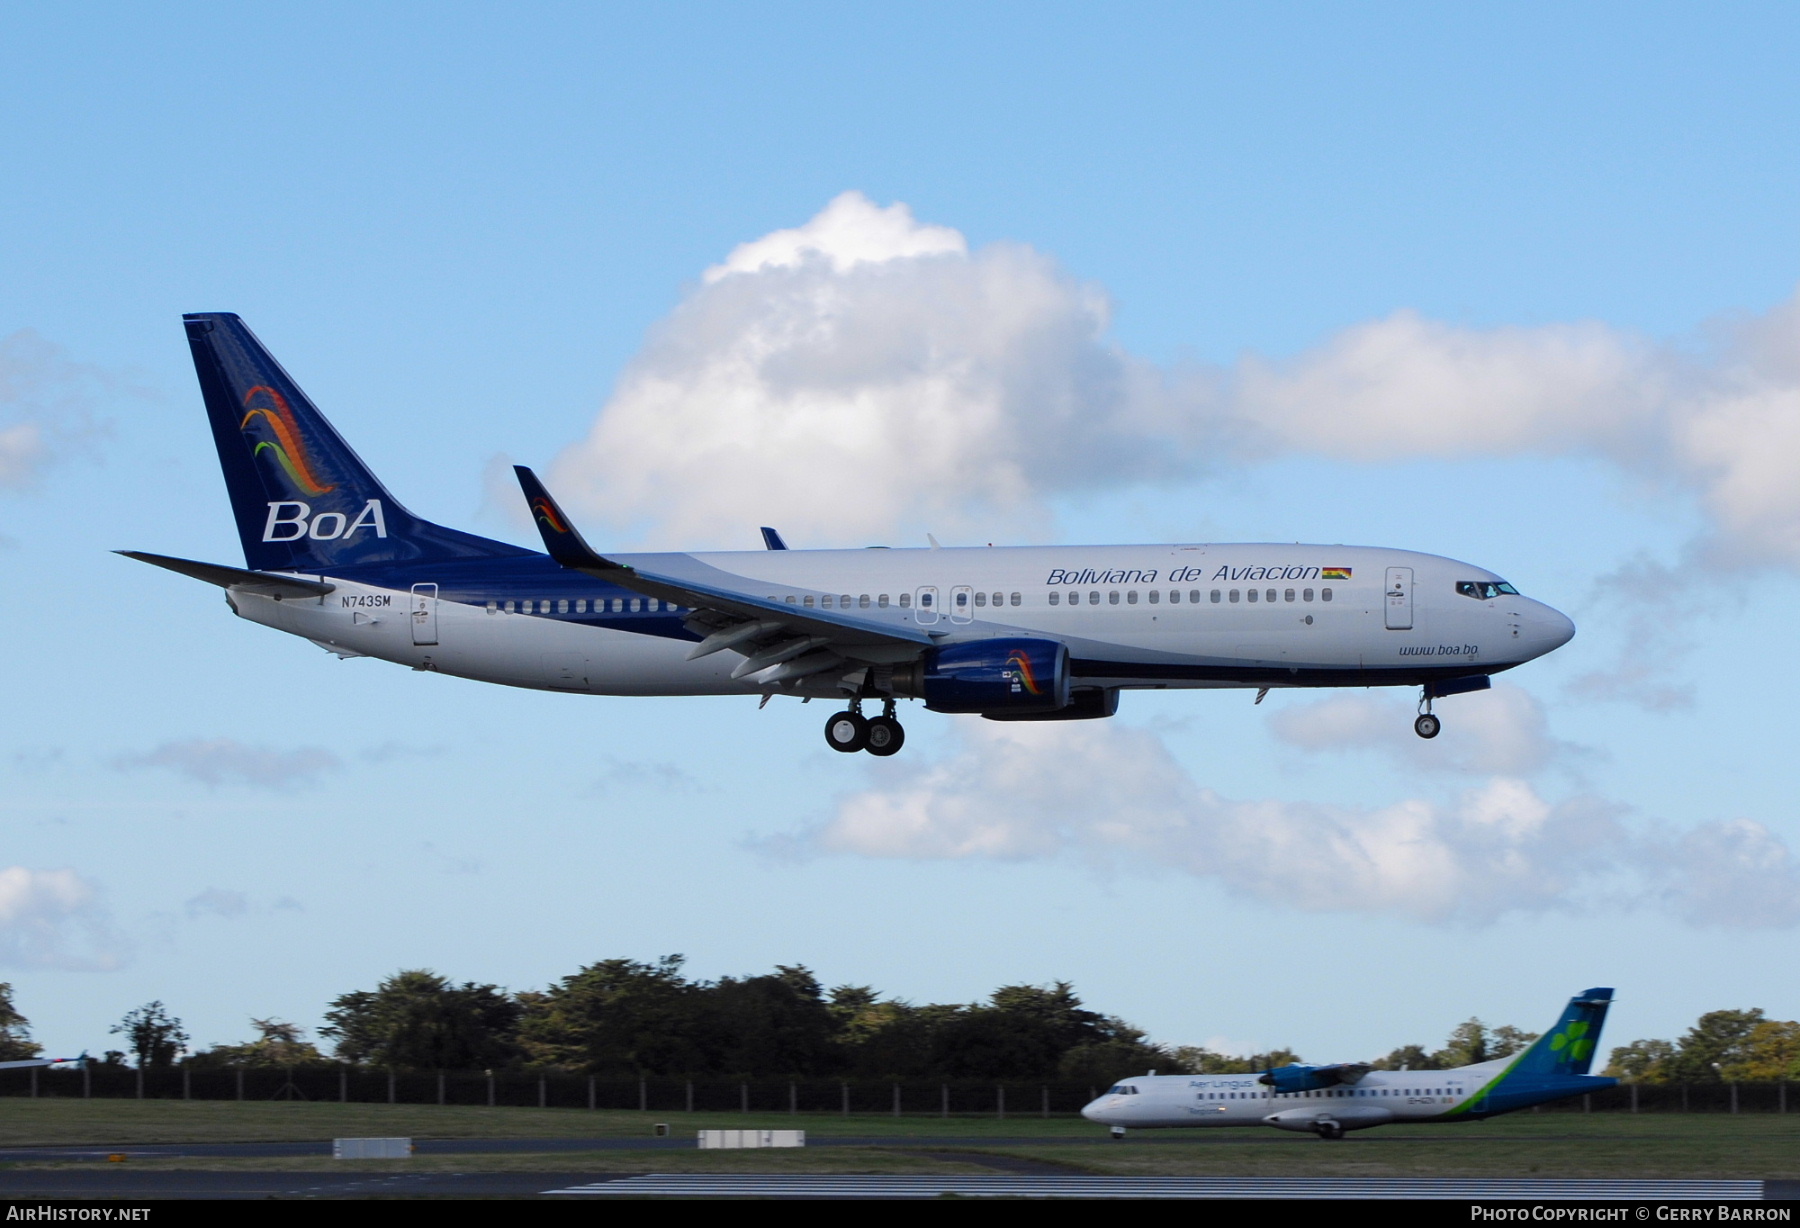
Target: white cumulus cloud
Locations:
point(53, 919)
point(1722, 423)
point(866, 374)
point(849, 231)
point(1504, 731)
point(1113, 794)
point(46, 406)
point(216, 761)
point(22, 452)
point(862, 375)
point(218, 902)
point(1732, 872)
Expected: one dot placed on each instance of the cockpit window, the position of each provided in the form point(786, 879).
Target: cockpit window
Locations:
point(1484, 590)
point(1121, 1089)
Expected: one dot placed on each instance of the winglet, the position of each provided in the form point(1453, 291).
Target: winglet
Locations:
point(561, 539)
point(772, 539)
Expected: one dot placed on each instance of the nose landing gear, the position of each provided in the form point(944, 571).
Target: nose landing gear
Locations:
point(849, 731)
point(1427, 726)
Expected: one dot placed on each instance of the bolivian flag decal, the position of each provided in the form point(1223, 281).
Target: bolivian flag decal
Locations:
point(1334, 573)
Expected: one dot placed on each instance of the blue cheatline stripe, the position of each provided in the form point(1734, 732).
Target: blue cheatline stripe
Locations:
point(795, 1185)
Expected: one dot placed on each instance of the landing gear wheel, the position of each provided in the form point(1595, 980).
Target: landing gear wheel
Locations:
point(884, 736)
point(1330, 1130)
point(1427, 725)
point(847, 731)
point(1117, 1132)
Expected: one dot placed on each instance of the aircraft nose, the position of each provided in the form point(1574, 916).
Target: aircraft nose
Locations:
point(1559, 628)
point(1550, 629)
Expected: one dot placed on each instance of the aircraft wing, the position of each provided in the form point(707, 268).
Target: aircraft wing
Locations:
point(42, 1061)
point(265, 583)
point(761, 628)
point(1298, 1078)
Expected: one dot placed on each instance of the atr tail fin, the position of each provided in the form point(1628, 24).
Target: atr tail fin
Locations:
point(303, 500)
point(1568, 1048)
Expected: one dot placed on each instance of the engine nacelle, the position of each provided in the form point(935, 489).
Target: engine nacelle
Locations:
point(1085, 704)
point(998, 675)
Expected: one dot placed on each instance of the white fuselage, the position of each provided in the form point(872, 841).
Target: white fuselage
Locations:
point(1380, 1097)
point(1132, 616)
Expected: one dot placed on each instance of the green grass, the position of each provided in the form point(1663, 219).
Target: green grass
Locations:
point(49, 1122)
point(1525, 1144)
point(564, 1164)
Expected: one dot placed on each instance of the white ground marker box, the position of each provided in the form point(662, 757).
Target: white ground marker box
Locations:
point(714, 1139)
point(371, 1148)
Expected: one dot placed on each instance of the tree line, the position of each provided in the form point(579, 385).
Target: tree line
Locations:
point(1734, 1046)
point(626, 1018)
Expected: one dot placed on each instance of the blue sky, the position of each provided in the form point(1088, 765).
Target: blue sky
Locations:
point(1514, 284)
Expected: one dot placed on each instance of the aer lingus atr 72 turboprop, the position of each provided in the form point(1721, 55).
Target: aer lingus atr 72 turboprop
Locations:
point(1328, 1100)
point(1028, 633)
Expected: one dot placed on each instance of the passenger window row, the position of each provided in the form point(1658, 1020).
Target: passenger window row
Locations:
point(1154, 596)
point(579, 605)
point(844, 601)
point(881, 601)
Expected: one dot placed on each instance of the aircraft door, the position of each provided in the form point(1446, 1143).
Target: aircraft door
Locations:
point(925, 603)
point(1399, 598)
point(962, 604)
point(424, 614)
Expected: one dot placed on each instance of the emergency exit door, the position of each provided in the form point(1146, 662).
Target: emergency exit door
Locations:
point(1399, 598)
point(424, 613)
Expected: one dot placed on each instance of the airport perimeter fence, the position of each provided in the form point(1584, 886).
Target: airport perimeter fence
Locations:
point(559, 1090)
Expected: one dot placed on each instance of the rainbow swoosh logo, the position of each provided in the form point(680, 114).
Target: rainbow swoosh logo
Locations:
point(289, 448)
point(546, 512)
point(1018, 661)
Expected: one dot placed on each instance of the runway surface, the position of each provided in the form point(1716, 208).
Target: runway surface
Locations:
point(787, 1185)
point(127, 1185)
point(685, 1142)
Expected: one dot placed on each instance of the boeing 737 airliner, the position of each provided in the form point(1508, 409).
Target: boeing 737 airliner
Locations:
point(1328, 1100)
point(1031, 633)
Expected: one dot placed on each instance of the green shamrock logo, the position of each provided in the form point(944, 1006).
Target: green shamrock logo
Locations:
point(1572, 1043)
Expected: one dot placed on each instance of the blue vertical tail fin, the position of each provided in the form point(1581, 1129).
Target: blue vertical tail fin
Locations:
point(304, 501)
point(1568, 1048)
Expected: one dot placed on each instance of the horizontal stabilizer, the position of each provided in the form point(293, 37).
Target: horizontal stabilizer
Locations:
point(259, 582)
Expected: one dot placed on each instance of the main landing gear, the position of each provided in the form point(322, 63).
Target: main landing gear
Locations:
point(1330, 1129)
point(850, 731)
point(1427, 726)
